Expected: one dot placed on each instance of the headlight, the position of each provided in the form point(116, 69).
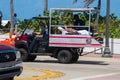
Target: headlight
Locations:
point(18, 55)
point(17, 39)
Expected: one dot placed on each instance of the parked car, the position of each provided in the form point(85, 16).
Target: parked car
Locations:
point(10, 62)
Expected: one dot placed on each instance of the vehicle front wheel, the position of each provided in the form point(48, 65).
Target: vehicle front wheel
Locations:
point(64, 56)
point(24, 54)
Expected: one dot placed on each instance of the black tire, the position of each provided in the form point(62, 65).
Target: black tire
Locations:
point(12, 78)
point(75, 57)
point(32, 57)
point(24, 54)
point(64, 56)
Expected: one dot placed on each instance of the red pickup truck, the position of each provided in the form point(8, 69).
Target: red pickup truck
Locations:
point(10, 62)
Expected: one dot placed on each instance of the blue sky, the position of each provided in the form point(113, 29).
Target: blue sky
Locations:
point(29, 8)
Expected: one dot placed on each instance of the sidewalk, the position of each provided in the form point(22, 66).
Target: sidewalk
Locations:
point(98, 57)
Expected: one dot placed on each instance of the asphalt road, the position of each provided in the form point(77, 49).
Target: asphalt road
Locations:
point(87, 68)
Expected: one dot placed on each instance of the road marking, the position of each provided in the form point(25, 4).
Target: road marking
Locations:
point(96, 76)
point(46, 74)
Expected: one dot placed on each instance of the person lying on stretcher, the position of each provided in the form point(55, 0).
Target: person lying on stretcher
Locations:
point(65, 30)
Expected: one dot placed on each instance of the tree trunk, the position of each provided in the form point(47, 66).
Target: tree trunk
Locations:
point(12, 16)
point(98, 14)
point(45, 5)
point(107, 52)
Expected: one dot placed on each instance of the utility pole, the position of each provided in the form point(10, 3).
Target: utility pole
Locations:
point(12, 16)
point(107, 52)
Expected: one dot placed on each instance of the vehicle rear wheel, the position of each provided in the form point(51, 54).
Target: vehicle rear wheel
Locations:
point(64, 56)
point(24, 54)
point(32, 57)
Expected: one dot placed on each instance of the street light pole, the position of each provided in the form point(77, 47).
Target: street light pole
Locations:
point(107, 52)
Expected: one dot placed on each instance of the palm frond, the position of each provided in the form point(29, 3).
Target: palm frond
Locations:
point(88, 2)
point(75, 1)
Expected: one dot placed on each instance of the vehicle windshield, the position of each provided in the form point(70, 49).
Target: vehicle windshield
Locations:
point(33, 24)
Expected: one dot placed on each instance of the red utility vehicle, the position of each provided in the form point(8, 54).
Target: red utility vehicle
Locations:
point(63, 47)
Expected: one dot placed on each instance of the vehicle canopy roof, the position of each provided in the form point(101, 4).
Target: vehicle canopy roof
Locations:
point(75, 9)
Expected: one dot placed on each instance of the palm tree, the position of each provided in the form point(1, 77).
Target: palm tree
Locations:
point(107, 52)
point(87, 3)
point(12, 16)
